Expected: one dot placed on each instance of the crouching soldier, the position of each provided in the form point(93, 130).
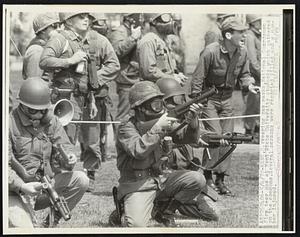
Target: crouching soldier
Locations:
point(145, 188)
point(34, 135)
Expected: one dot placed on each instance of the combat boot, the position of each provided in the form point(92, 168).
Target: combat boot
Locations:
point(46, 223)
point(165, 212)
point(221, 188)
point(91, 175)
point(209, 179)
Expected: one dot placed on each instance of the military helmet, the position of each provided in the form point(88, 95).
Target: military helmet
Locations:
point(150, 17)
point(97, 16)
point(143, 91)
point(169, 87)
point(42, 21)
point(222, 16)
point(176, 17)
point(35, 94)
point(63, 16)
point(250, 18)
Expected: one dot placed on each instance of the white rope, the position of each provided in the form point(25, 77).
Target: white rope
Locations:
point(232, 117)
point(108, 122)
point(208, 119)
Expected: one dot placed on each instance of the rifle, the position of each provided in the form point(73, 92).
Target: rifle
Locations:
point(213, 139)
point(177, 112)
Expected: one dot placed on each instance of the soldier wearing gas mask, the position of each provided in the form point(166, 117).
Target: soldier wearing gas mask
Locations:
point(99, 23)
point(124, 40)
point(145, 188)
point(155, 58)
point(33, 133)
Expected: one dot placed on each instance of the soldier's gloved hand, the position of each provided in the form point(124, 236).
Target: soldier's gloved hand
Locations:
point(72, 159)
point(78, 57)
point(93, 110)
point(31, 188)
point(165, 122)
point(136, 33)
point(180, 78)
point(254, 89)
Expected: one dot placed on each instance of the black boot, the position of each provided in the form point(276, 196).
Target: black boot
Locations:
point(222, 189)
point(165, 212)
point(91, 175)
point(209, 180)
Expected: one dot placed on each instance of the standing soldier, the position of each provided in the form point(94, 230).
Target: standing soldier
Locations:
point(83, 62)
point(214, 34)
point(33, 133)
point(44, 26)
point(142, 180)
point(154, 56)
point(99, 23)
point(220, 65)
point(176, 43)
point(124, 40)
point(253, 45)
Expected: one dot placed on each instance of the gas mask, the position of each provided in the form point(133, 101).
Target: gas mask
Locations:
point(151, 109)
point(135, 20)
point(165, 25)
point(36, 117)
point(173, 101)
point(101, 27)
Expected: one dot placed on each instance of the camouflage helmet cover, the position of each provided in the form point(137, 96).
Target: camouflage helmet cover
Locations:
point(42, 21)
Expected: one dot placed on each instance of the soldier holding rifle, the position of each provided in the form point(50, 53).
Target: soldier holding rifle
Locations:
point(221, 64)
point(83, 62)
point(143, 181)
point(34, 133)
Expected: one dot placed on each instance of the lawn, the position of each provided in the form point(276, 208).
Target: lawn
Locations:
point(240, 211)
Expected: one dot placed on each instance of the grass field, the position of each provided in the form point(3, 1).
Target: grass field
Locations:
point(240, 211)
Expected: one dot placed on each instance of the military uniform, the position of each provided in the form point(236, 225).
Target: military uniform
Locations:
point(32, 146)
point(139, 187)
point(215, 68)
point(176, 46)
point(253, 45)
point(125, 47)
point(155, 58)
point(54, 58)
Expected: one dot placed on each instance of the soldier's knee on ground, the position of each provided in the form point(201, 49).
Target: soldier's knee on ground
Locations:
point(197, 179)
point(134, 221)
point(81, 180)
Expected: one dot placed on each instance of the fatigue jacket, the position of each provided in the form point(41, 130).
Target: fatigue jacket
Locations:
point(58, 50)
point(215, 67)
point(138, 153)
point(32, 57)
point(32, 146)
point(125, 47)
point(155, 58)
point(254, 53)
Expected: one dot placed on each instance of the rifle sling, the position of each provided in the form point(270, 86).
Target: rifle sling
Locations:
point(224, 157)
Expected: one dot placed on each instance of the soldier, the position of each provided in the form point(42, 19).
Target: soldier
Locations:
point(44, 26)
point(154, 56)
point(33, 131)
point(99, 23)
point(220, 65)
point(176, 43)
point(124, 40)
point(83, 62)
point(141, 182)
point(253, 45)
point(214, 33)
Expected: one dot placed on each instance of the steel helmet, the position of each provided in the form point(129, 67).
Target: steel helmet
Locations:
point(42, 21)
point(176, 17)
point(169, 87)
point(35, 93)
point(250, 18)
point(222, 16)
point(98, 16)
point(143, 91)
point(63, 16)
point(150, 17)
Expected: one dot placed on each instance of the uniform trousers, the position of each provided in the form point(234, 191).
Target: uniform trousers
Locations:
point(182, 185)
point(123, 105)
point(218, 108)
point(252, 107)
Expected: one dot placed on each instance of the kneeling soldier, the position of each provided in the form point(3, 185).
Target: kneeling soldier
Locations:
point(34, 135)
point(143, 182)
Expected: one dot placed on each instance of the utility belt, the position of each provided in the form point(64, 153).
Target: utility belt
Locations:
point(135, 175)
point(224, 92)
